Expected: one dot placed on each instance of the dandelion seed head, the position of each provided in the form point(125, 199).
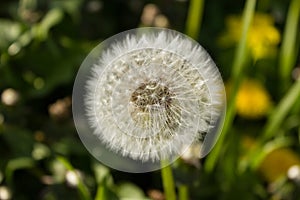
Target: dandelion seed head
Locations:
point(150, 93)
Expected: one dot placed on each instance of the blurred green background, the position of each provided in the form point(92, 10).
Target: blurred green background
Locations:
point(42, 44)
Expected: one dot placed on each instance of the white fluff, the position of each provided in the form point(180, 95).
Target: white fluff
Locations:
point(178, 69)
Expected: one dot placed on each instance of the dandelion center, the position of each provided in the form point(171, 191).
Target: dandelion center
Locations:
point(151, 94)
point(150, 99)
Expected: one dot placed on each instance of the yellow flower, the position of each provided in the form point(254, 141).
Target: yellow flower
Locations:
point(253, 100)
point(263, 36)
point(278, 162)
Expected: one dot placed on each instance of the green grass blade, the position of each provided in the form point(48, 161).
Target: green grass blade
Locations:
point(281, 111)
point(287, 56)
point(237, 74)
point(194, 18)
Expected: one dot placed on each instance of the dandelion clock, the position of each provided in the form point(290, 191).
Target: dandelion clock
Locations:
point(145, 96)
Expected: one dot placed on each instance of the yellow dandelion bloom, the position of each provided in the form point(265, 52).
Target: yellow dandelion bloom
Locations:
point(263, 36)
point(252, 100)
point(277, 163)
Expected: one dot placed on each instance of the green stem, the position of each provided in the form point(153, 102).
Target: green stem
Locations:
point(194, 18)
point(100, 192)
point(82, 189)
point(168, 181)
point(183, 192)
point(287, 55)
point(237, 74)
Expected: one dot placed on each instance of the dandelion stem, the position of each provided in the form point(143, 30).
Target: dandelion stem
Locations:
point(183, 192)
point(194, 18)
point(287, 55)
point(237, 74)
point(100, 192)
point(168, 181)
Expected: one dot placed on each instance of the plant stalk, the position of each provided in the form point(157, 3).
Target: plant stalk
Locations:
point(168, 181)
point(237, 74)
point(194, 18)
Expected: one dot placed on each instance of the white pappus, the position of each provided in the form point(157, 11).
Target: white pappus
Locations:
point(152, 93)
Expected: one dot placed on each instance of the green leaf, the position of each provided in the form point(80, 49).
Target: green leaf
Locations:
point(20, 141)
point(40, 151)
point(130, 191)
point(52, 18)
point(16, 164)
point(194, 18)
point(287, 57)
point(281, 111)
point(81, 187)
point(67, 146)
point(73, 7)
point(9, 32)
point(239, 63)
point(102, 173)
